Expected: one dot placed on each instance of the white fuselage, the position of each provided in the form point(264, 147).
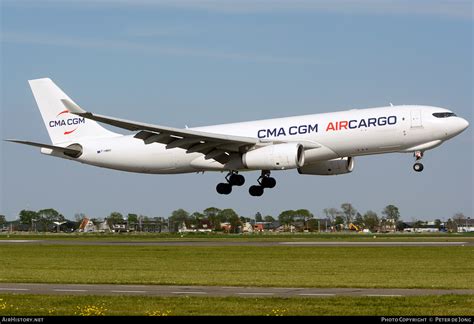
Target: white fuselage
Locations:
point(339, 134)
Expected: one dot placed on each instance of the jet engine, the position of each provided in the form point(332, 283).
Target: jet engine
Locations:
point(275, 157)
point(330, 167)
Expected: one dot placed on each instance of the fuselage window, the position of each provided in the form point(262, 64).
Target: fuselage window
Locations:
point(444, 114)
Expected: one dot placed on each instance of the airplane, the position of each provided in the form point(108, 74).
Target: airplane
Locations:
point(318, 144)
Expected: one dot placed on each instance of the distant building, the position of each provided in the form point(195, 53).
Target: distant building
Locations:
point(226, 227)
point(103, 227)
point(422, 227)
point(120, 227)
point(285, 228)
point(247, 227)
point(86, 226)
point(184, 229)
point(465, 225)
point(388, 226)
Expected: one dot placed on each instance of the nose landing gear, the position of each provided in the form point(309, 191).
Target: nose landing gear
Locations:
point(418, 167)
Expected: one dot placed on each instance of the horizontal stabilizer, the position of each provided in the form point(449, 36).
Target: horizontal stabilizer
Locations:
point(69, 151)
point(72, 107)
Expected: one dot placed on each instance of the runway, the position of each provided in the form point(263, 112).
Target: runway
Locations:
point(214, 291)
point(237, 243)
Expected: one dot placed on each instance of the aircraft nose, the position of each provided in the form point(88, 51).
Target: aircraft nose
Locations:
point(463, 124)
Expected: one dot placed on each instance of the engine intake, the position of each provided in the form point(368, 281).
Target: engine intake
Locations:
point(331, 167)
point(275, 157)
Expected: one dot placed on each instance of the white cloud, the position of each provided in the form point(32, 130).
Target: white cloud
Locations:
point(62, 41)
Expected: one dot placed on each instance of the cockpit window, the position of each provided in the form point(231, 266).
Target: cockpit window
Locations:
point(444, 114)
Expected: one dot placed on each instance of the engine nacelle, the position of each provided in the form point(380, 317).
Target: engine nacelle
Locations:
point(331, 167)
point(275, 157)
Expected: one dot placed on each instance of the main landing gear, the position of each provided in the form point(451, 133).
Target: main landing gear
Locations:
point(264, 181)
point(235, 179)
point(418, 167)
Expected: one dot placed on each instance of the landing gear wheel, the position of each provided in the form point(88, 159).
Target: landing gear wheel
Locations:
point(236, 179)
point(256, 191)
point(418, 167)
point(268, 182)
point(224, 188)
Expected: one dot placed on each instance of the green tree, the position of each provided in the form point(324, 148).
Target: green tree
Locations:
point(196, 218)
point(316, 225)
point(78, 217)
point(159, 223)
point(132, 222)
point(258, 217)
point(245, 219)
point(230, 216)
point(371, 220)
point(269, 219)
point(145, 223)
point(391, 212)
point(305, 215)
point(48, 216)
point(331, 213)
point(437, 224)
point(339, 221)
point(287, 217)
point(349, 212)
point(418, 224)
point(179, 217)
point(3, 220)
point(211, 214)
point(359, 219)
point(459, 218)
point(451, 226)
point(400, 226)
point(28, 217)
point(132, 218)
point(114, 218)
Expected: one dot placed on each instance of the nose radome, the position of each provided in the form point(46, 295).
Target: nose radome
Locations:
point(463, 124)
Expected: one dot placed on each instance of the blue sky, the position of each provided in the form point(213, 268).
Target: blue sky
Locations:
point(198, 63)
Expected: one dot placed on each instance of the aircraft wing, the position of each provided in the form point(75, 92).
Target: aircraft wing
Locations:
point(214, 146)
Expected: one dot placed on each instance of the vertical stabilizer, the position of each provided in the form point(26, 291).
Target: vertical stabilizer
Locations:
point(63, 126)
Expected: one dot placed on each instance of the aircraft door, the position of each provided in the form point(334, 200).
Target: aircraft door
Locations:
point(416, 118)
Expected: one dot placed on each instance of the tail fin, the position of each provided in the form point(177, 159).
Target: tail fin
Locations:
point(63, 126)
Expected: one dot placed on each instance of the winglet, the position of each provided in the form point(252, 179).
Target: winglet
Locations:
point(72, 107)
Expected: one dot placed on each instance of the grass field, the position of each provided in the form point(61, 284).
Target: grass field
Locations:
point(280, 266)
point(159, 306)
